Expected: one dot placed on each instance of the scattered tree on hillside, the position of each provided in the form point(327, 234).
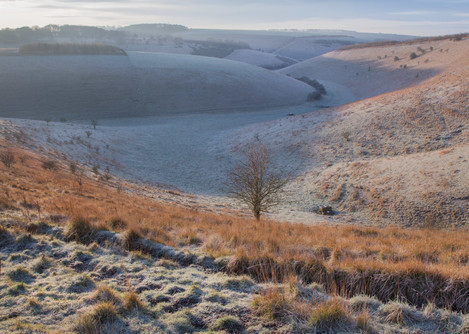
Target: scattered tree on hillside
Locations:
point(254, 182)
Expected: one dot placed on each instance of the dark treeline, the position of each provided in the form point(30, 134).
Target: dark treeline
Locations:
point(72, 34)
point(42, 48)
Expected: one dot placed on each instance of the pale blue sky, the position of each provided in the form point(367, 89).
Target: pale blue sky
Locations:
point(416, 17)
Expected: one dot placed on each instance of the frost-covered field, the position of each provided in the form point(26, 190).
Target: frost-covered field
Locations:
point(140, 84)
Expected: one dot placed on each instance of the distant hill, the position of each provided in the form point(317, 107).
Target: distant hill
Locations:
point(155, 29)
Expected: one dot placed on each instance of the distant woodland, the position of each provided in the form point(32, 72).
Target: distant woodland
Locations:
point(42, 48)
point(72, 34)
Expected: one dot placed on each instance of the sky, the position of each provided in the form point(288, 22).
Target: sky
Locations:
point(411, 17)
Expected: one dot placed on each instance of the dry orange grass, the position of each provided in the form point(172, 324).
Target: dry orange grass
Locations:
point(29, 187)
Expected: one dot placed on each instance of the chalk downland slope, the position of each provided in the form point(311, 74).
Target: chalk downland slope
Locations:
point(372, 71)
point(400, 157)
point(142, 84)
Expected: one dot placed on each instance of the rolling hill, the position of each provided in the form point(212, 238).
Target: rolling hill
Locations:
point(141, 84)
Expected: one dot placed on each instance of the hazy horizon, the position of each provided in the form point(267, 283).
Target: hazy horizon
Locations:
point(413, 17)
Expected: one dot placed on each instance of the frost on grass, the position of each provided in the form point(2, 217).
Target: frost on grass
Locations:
point(68, 286)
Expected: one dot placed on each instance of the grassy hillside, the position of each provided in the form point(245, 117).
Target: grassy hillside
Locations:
point(397, 158)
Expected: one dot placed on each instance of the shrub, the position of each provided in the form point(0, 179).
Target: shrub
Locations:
point(413, 55)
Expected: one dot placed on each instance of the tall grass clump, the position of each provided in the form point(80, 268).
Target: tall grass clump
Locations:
point(81, 230)
point(92, 321)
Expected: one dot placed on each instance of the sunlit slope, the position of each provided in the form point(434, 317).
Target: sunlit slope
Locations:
point(142, 84)
point(372, 71)
point(398, 158)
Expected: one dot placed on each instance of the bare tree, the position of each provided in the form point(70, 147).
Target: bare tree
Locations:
point(254, 182)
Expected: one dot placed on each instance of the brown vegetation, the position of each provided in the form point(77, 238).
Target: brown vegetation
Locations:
point(390, 262)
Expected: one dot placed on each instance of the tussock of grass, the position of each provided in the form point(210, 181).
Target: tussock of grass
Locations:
point(81, 284)
point(399, 313)
point(229, 324)
point(20, 274)
point(17, 289)
point(362, 302)
point(41, 264)
point(117, 224)
point(168, 264)
point(272, 304)
point(180, 322)
point(92, 321)
point(38, 228)
point(81, 230)
point(329, 315)
point(105, 294)
point(239, 283)
point(131, 240)
point(131, 302)
point(34, 303)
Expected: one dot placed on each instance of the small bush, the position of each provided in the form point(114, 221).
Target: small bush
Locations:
point(413, 55)
point(91, 322)
point(230, 324)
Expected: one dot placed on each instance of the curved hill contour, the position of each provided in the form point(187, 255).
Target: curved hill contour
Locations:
point(401, 157)
point(142, 84)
